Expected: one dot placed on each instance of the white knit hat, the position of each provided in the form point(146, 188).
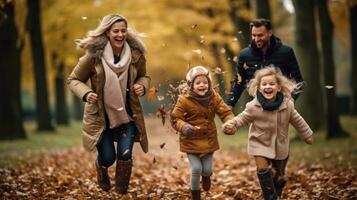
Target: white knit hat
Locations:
point(197, 71)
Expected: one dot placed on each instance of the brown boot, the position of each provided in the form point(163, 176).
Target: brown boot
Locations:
point(122, 176)
point(206, 182)
point(102, 177)
point(195, 194)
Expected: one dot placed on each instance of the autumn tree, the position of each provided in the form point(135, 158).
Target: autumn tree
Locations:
point(310, 102)
point(262, 9)
point(60, 93)
point(11, 122)
point(240, 15)
point(333, 125)
point(38, 57)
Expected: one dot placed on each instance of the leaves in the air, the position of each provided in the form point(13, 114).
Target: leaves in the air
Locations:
point(151, 93)
point(162, 113)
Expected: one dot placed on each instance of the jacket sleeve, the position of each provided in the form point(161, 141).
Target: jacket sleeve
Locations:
point(303, 129)
point(177, 116)
point(237, 85)
point(295, 73)
point(79, 76)
point(142, 78)
point(244, 118)
point(222, 110)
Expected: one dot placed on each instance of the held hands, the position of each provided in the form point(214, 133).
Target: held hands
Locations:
point(92, 97)
point(309, 140)
point(229, 127)
point(188, 129)
point(139, 89)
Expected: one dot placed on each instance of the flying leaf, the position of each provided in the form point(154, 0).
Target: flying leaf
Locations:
point(328, 86)
point(151, 93)
point(198, 51)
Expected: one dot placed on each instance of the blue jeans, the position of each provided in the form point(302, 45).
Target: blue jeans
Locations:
point(124, 136)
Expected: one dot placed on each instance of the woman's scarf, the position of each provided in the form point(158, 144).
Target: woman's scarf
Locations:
point(116, 79)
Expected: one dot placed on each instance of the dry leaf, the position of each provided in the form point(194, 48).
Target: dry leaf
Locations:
point(151, 94)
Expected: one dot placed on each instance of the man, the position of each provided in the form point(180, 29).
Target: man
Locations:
point(265, 49)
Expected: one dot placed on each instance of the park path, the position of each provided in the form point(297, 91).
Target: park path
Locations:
point(163, 173)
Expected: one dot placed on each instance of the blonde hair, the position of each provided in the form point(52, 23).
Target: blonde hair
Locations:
point(287, 85)
point(104, 25)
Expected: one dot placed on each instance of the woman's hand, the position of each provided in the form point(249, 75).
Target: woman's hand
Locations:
point(92, 97)
point(139, 89)
point(309, 140)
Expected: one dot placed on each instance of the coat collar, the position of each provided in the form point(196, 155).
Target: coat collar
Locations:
point(283, 106)
point(96, 47)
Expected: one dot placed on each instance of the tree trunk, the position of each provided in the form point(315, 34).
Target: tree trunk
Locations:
point(77, 108)
point(218, 63)
point(332, 116)
point(262, 9)
point(11, 122)
point(242, 30)
point(353, 27)
point(310, 102)
point(61, 105)
point(38, 58)
point(241, 25)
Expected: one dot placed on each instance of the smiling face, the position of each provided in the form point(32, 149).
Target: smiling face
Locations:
point(269, 87)
point(117, 35)
point(201, 85)
point(261, 36)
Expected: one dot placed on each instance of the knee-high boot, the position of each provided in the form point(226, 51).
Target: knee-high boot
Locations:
point(122, 176)
point(267, 184)
point(195, 194)
point(102, 177)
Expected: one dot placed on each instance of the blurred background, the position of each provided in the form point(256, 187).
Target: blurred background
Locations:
point(38, 52)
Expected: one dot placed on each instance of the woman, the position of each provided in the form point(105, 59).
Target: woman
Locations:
point(115, 64)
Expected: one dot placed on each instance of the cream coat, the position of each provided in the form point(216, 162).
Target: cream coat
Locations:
point(268, 131)
point(88, 67)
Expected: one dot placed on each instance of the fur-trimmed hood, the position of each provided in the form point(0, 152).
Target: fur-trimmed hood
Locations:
point(96, 47)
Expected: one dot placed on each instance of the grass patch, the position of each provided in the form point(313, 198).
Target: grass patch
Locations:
point(341, 151)
point(16, 151)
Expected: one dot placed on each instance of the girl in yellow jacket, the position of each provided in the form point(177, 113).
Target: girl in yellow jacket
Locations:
point(269, 115)
point(193, 116)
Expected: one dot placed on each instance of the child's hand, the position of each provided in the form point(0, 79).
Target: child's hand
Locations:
point(229, 128)
point(309, 140)
point(188, 129)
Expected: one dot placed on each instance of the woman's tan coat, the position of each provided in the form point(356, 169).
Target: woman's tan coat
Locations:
point(189, 110)
point(90, 67)
point(268, 132)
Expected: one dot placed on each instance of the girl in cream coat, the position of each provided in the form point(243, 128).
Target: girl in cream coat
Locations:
point(269, 115)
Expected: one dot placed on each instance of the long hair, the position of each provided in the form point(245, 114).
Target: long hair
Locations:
point(287, 85)
point(105, 24)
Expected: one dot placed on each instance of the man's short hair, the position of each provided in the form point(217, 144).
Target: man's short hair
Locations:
point(260, 22)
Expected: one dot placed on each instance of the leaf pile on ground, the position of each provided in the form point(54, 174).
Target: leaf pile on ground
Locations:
point(70, 174)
